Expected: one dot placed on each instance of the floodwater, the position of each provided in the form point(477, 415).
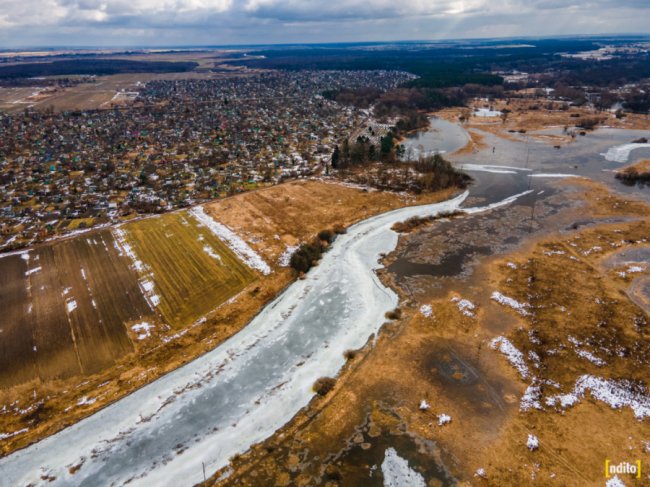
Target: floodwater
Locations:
point(442, 137)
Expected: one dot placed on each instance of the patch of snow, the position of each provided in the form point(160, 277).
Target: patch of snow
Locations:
point(480, 472)
point(512, 354)
point(71, 305)
point(443, 419)
point(143, 330)
point(426, 310)
point(487, 113)
point(285, 258)
point(621, 153)
point(251, 258)
point(532, 443)
point(465, 306)
point(531, 398)
point(424, 405)
point(210, 251)
point(84, 401)
point(616, 394)
point(512, 265)
point(4, 436)
point(33, 271)
point(506, 301)
point(614, 482)
point(397, 473)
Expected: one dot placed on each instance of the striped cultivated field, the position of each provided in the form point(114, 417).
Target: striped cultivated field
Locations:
point(191, 270)
point(76, 306)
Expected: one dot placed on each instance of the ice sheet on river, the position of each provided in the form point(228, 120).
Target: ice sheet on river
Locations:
point(242, 391)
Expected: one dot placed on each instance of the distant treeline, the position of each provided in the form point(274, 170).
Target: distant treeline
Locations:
point(438, 66)
point(93, 66)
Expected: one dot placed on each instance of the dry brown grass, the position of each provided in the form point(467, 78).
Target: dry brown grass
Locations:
point(296, 210)
point(446, 360)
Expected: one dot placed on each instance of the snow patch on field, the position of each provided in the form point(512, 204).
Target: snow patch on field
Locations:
point(84, 401)
point(285, 258)
point(251, 258)
point(465, 306)
point(616, 394)
point(443, 419)
point(531, 398)
point(487, 113)
point(143, 330)
point(33, 271)
point(426, 310)
point(124, 248)
point(4, 436)
point(512, 354)
point(506, 301)
point(70, 305)
point(532, 443)
point(210, 251)
point(145, 283)
point(397, 472)
point(621, 153)
point(614, 482)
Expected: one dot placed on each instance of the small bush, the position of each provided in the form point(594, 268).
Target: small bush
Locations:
point(350, 354)
point(323, 385)
point(326, 236)
point(304, 258)
point(396, 314)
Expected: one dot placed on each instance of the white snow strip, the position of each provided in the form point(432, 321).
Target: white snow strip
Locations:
point(397, 473)
point(616, 394)
point(621, 153)
point(285, 258)
point(33, 271)
point(506, 301)
point(236, 244)
point(4, 436)
point(512, 354)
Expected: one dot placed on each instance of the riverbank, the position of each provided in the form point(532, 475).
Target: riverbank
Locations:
point(432, 386)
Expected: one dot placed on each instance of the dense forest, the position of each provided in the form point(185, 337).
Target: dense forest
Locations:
point(92, 66)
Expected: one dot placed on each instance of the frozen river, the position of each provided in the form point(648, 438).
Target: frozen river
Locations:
point(241, 392)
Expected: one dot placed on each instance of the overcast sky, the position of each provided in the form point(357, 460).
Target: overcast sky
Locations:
point(25, 23)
